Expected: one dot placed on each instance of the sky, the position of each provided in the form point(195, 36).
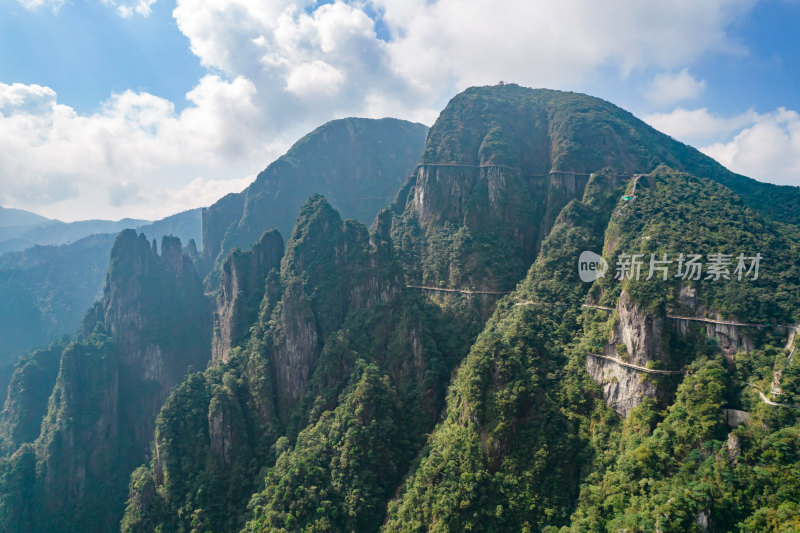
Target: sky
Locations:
point(143, 108)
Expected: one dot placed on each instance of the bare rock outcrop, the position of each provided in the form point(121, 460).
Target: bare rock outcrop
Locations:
point(242, 285)
point(641, 335)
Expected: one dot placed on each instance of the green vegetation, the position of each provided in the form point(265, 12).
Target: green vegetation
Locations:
point(357, 164)
point(26, 404)
point(337, 350)
point(343, 400)
point(675, 213)
point(46, 290)
point(72, 455)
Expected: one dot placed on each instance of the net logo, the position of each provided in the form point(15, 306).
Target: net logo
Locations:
point(591, 266)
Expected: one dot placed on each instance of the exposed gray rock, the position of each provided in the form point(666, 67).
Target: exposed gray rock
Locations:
point(641, 335)
point(242, 284)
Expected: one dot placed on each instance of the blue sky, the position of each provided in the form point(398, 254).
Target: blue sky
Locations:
point(113, 108)
point(86, 51)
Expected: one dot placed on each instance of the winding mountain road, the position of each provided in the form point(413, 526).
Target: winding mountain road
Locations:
point(638, 367)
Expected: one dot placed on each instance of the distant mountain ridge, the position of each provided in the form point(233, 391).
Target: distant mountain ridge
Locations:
point(15, 237)
point(19, 217)
point(45, 289)
point(357, 164)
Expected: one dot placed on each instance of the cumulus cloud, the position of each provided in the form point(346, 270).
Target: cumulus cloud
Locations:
point(304, 56)
point(767, 149)
point(279, 68)
point(669, 87)
point(699, 127)
point(553, 42)
point(136, 142)
point(765, 146)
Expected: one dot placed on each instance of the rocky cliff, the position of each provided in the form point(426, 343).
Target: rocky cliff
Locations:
point(343, 399)
point(135, 345)
point(336, 305)
point(242, 282)
point(501, 162)
point(636, 338)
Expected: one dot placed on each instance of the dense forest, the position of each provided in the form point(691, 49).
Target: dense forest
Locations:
point(444, 368)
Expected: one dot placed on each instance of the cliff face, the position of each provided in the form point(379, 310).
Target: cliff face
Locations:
point(332, 269)
point(639, 336)
point(242, 282)
point(336, 306)
point(135, 345)
point(156, 313)
point(501, 162)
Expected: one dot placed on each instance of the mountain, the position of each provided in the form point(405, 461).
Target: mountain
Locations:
point(46, 289)
point(501, 163)
point(151, 326)
point(56, 232)
point(357, 164)
point(456, 366)
point(18, 217)
point(335, 325)
point(186, 224)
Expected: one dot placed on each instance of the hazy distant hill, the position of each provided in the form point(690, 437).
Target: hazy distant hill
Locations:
point(15, 238)
point(18, 217)
point(44, 290)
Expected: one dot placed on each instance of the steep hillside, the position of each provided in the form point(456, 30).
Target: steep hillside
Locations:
point(322, 401)
point(530, 441)
point(566, 321)
point(334, 328)
point(45, 290)
point(501, 162)
point(30, 386)
point(357, 164)
point(152, 324)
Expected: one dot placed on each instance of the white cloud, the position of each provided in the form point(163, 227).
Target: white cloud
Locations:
point(308, 58)
point(34, 5)
point(768, 149)
point(139, 7)
point(762, 146)
point(75, 166)
point(698, 126)
point(317, 77)
point(671, 87)
point(545, 43)
point(280, 67)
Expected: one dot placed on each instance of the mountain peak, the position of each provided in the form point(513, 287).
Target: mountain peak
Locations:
point(10, 217)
